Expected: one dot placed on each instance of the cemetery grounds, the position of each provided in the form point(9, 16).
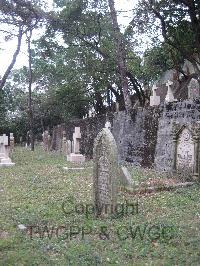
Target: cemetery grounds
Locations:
point(39, 224)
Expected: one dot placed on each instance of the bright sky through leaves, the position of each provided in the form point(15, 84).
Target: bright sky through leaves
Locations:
point(124, 14)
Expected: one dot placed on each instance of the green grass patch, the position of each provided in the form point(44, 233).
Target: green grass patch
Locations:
point(37, 192)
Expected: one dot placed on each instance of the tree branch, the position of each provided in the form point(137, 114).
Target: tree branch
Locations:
point(6, 74)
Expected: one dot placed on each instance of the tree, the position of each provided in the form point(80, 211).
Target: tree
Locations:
point(120, 55)
point(8, 70)
point(179, 23)
point(30, 110)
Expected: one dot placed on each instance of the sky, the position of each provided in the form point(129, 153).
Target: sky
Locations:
point(9, 47)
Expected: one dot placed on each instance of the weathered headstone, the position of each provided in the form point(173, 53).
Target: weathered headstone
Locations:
point(154, 100)
point(126, 178)
point(105, 160)
point(186, 141)
point(193, 89)
point(185, 151)
point(170, 96)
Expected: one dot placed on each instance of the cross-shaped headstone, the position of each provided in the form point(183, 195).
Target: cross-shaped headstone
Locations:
point(169, 97)
point(154, 100)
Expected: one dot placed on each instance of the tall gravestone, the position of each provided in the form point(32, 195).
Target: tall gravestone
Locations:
point(105, 160)
point(186, 160)
point(193, 89)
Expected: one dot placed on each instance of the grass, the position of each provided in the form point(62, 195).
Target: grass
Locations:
point(38, 192)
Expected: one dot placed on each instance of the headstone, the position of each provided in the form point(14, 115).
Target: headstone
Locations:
point(186, 147)
point(12, 142)
point(126, 178)
point(193, 89)
point(154, 100)
point(169, 97)
point(4, 152)
point(77, 139)
point(64, 142)
point(75, 156)
point(185, 152)
point(3, 144)
point(105, 160)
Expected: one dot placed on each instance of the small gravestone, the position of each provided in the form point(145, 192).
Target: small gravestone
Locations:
point(105, 160)
point(193, 89)
point(154, 99)
point(185, 152)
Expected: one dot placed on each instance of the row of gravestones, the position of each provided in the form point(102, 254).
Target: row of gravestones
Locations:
point(69, 148)
point(193, 92)
point(155, 100)
point(6, 150)
point(186, 149)
point(107, 173)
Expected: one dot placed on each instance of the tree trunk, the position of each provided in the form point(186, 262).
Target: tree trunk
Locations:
point(8, 70)
point(121, 55)
point(30, 107)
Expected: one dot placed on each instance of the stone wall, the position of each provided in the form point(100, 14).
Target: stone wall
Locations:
point(180, 112)
point(143, 137)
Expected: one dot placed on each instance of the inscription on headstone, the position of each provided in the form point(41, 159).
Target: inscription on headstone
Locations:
point(185, 151)
point(105, 169)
